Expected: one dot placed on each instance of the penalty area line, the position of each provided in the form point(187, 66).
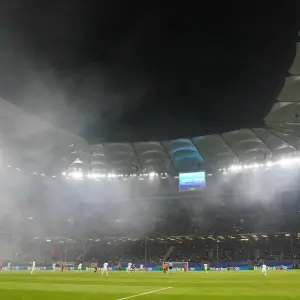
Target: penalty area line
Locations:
point(147, 293)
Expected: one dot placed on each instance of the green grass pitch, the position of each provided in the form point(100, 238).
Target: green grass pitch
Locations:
point(47, 285)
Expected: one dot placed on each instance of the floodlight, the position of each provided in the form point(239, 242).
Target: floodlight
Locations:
point(77, 175)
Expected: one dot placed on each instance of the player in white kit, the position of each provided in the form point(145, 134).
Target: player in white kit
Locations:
point(128, 269)
point(170, 267)
point(263, 269)
point(53, 267)
point(105, 269)
point(33, 267)
point(205, 268)
point(9, 266)
point(79, 268)
point(141, 268)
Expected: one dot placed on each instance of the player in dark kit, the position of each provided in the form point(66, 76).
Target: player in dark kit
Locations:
point(95, 268)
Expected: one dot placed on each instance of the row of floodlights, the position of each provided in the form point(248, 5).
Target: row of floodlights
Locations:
point(81, 175)
point(284, 162)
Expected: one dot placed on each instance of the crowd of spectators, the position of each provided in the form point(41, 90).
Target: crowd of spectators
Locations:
point(154, 251)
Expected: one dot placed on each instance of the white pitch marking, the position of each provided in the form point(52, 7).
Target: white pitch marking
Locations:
point(147, 293)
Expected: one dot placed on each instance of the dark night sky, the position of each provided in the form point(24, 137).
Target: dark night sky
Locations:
point(140, 70)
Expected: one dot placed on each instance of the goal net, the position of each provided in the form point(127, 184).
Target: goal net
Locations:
point(178, 266)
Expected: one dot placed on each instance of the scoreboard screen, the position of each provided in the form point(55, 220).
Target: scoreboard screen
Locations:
point(191, 181)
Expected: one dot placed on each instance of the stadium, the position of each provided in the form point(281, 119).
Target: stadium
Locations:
point(228, 200)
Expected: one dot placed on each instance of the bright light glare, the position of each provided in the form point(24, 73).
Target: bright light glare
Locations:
point(236, 168)
point(94, 175)
point(152, 174)
point(284, 162)
point(269, 164)
point(111, 175)
point(76, 175)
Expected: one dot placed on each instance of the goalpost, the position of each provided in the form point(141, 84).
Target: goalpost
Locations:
point(178, 266)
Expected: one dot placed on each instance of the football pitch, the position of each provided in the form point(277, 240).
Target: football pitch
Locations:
point(47, 285)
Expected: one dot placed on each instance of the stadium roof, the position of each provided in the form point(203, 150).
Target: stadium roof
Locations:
point(28, 141)
point(36, 145)
point(285, 113)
